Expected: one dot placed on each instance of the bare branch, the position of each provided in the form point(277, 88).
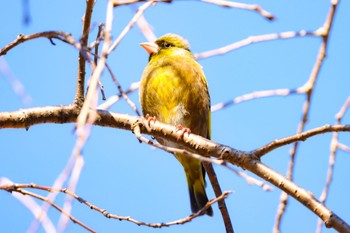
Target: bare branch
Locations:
point(256, 95)
point(113, 99)
point(31, 205)
point(13, 188)
point(62, 36)
point(255, 39)
point(205, 147)
point(300, 137)
point(334, 145)
point(19, 188)
point(243, 6)
point(128, 2)
point(80, 86)
point(122, 93)
point(137, 15)
point(167, 224)
point(218, 192)
point(309, 87)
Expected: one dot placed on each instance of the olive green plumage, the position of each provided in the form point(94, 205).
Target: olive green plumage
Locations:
point(174, 90)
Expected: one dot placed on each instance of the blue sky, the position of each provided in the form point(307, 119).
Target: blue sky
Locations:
point(129, 178)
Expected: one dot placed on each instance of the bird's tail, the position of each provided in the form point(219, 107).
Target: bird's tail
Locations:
point(196, 184)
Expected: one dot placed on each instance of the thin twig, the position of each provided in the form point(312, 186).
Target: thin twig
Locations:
point(62, 36)
point(137, 15)
point(99, 38)
point(15, 83)
point(121, 92)
point(80, 86)
point(117, 3)
point(250, 7)
point(19, 188)
point(146, 28)
point(256, 95)
point(218, 192)
point(113, 99)
point(72, 184)
point(309, 87)
point(30, 203)
point(343, 147)
point(299, 137)
point(334, 145)
point(13, 188)
point(252, 180)
point(256, 39)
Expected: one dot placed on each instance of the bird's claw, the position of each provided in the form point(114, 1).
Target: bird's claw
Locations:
point(150, 118)
point(183, 131)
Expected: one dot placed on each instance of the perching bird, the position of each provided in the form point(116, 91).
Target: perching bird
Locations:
point(174, 91)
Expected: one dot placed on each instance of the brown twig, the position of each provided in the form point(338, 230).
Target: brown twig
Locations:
point(14, 188)
point(167, 224)
point(19, 188)
point(63, 36)
point(250, 7)
point(31, 204)
point(309, 87)
point(96, 43)
point(122, 93)
point(218, 192)
point(80, 87)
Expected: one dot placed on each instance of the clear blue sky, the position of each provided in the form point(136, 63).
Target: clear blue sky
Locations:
point(129, 178)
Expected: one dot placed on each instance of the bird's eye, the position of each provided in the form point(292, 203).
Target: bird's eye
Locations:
point(167, 45)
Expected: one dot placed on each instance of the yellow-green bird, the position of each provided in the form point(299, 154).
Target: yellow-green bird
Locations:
point(174, 90)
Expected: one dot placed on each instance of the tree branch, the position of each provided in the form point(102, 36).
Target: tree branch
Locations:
point(246, 160)
point(251, 7)
point(80, 87)
point(62, 36)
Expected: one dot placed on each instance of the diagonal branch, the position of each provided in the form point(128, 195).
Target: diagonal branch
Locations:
point(324, 32)
point(247, 160)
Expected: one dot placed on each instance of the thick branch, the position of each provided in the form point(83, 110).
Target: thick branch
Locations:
point(246, 160)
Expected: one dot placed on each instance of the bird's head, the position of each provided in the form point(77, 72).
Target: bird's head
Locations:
point(168, 42)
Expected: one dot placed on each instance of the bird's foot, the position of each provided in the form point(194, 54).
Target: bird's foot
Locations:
point(183, 131)
point(150, 118)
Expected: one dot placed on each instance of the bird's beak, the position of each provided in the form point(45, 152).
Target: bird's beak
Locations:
point(150, 47)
